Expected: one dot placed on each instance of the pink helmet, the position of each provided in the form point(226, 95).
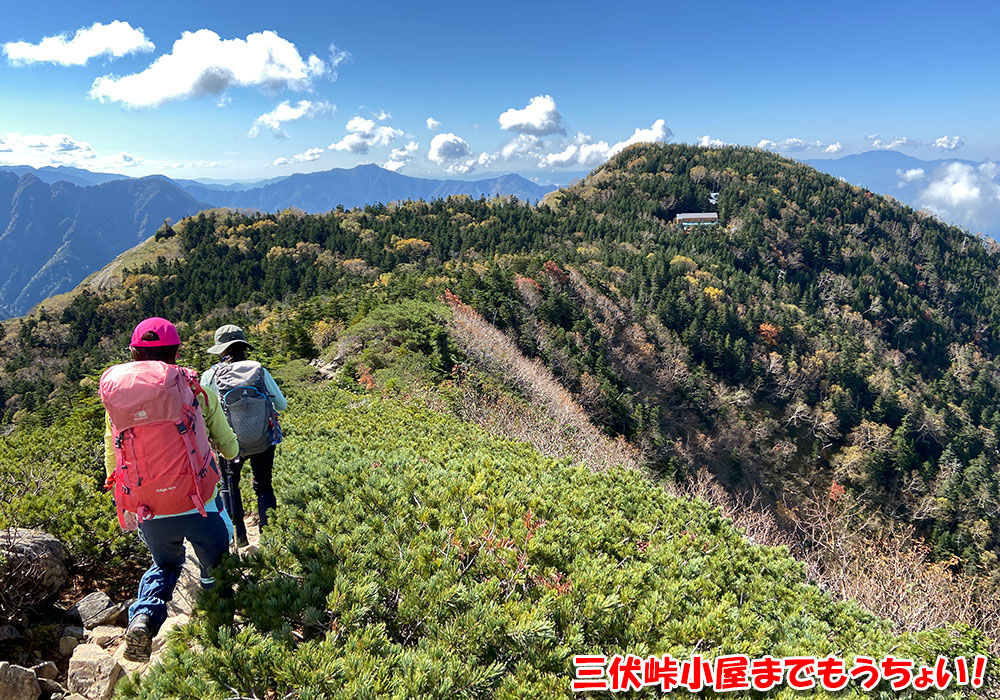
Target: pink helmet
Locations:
point(164, 330)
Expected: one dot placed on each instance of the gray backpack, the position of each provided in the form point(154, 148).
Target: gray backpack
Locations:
point(246, 404)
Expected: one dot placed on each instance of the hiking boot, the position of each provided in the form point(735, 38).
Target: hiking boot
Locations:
point(241, 541)
point(138, 640)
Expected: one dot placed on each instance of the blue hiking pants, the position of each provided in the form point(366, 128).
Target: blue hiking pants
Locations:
point(165, 537)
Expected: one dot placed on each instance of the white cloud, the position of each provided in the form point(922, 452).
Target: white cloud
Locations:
point(965, 194)
point(911, 175)
point(585, 152)
point(116, 39)
point(40, 150)
point(880, 144)
point(522, 146)
point(286, 112)
point(835, 147)
point(447, 147)
point(949, 143)
point(304, 157)
point(433, 124)
point(363, 135)
point(791, 144)
point(201, 63)
point(657, 133)
point(708, 142)
point(462, 168)
point(382, 115)
point(400, 157)
point(125, 160)
point(539, 118)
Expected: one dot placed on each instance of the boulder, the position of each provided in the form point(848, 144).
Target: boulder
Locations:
point(50, 687)
point(103, 635)
point(18, 683)
point(70, 637)
point(93, 673)
point(46, 669)
point(8, 632)
point(92, 609)
point(67, 645)
point(34, 568)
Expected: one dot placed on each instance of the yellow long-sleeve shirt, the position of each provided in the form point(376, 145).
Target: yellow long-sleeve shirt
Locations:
point(219, 432)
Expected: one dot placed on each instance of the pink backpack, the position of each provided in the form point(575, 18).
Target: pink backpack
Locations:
point(164, 463)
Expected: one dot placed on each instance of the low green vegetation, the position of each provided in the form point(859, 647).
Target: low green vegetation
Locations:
point(415, 556)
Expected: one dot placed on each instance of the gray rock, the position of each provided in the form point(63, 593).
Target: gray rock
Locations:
point(93, 673)
point(8, 632)
point(103, 635)
point(67, 645)
point(50, 687)
point(122, 619)
point(46, 669)
point(17, 683)
point(108, 617)
point(73, 631)
point(36, 566)
point(92, 609)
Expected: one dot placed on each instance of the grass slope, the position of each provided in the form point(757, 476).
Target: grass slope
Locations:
point(416, 556)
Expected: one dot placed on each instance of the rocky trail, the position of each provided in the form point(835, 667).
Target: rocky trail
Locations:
point(91, 648)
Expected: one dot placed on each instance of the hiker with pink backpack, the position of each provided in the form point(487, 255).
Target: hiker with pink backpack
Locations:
point(161, 426)
point(251, 399)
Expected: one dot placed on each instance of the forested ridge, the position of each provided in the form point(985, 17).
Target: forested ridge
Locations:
point(819, 343)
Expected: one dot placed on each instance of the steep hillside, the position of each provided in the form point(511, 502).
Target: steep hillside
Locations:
point(820, 338)
point(415, 556)
point(828, 350)
point(54, 235)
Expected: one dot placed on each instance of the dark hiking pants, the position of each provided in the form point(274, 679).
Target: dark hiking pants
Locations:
point(261, 466)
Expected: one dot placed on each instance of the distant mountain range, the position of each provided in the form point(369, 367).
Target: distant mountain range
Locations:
point(965, 198)
point(59, 224)
point(52, 235)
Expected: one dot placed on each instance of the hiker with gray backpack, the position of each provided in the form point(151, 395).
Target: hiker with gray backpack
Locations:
point(250, 399)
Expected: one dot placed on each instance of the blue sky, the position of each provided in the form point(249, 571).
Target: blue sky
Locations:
point(575, 81)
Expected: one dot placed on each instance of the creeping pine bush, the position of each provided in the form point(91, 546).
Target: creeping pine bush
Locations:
point(51, 478)
point(414, 556)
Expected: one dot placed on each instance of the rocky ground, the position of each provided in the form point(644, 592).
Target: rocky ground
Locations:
point(91, 649)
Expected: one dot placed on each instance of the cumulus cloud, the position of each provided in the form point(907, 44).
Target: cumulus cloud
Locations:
point(965, 194)
point(910, 175)
point(522, 146)
point(835, 147)
point(363, 135)
point(949, 143)
point(286, 112)
point(201, 63)
point(585, 152)
point(433, 124)
point(447, 148)
point(40, 150)
point(304, 157)
point(791, 144)
point(708, 142)
point(125, 160)
point(880, 144)
point(382, 115)
point(539, 118)
point(400, 157)
point(462, 168)
point(657, 133)
point(115, 40)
